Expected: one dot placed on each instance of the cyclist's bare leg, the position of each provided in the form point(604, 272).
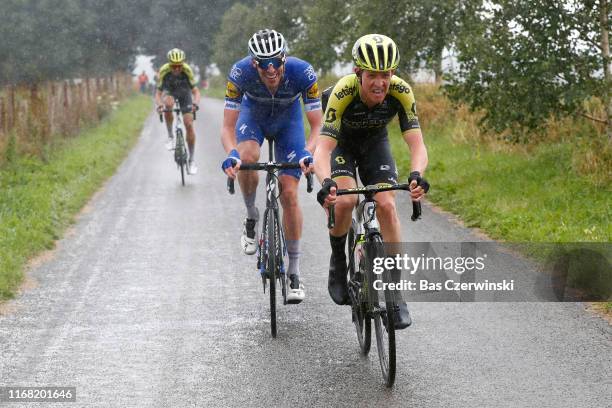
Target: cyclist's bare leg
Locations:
point(344, 207)
point(168, 105)
point(249, 151)
point(188, 120)
point(391, 231)
point(336, 284)
point(292, 213)
point(386, 212)
point(292, 221)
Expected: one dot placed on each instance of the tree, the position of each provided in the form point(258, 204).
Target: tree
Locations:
point(327, 33)
point(190, 25)
point(524, 61)
point(423, 30)
point(231, 40)
point(241, 21)
point(53, 39)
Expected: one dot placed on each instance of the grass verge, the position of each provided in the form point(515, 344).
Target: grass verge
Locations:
point(529, 196)
point(41, 197)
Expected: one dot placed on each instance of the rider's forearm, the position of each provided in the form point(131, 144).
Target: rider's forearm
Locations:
point(314, 119)
point(228, 139)
point(312, 140)
point(228, 135)
point(322, 157)
point(322, 166)
point(196, 95)
point(418, 151)
point(158, 97)
point(418, 159)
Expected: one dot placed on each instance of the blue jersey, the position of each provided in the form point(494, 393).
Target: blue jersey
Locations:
point(245, 89)
point(278, 116)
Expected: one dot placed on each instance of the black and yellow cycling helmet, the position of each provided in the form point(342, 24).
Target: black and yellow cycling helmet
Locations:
point(176, 56)
point(376, 52)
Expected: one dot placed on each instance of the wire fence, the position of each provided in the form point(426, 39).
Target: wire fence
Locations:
point(32, 116)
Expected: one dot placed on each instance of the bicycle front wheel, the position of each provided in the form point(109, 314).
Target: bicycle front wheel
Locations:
point(180, 154)
point(383, 309)
point(359, 306)
point(271, 246)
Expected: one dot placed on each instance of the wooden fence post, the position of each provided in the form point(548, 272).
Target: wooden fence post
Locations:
point(3, 126)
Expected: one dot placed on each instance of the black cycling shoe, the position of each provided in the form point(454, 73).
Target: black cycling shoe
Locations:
point(337, 284)
point(402, 316)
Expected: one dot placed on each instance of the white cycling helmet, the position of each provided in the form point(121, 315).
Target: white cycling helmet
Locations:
point(267, 43)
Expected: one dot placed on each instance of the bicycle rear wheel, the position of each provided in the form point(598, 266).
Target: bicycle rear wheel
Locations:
point(383, 316)
point(271, 266)
point(359, 306)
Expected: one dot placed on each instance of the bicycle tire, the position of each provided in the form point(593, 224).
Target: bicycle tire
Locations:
point(271, 266)
point(359, 308)
point(385, 333)
point(282, 277)
point(179, 154)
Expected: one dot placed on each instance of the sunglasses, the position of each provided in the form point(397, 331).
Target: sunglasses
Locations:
point(264, 63)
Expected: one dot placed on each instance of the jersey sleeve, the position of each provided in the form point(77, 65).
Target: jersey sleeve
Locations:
point(311, 94)
point(400, 90)
point(189, 72)
point(233, 93)
point(340, 97)
point(163, 71)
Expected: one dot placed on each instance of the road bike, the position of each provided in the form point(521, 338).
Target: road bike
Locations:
point(181, 152)
point(271, 246)
point(365, 244)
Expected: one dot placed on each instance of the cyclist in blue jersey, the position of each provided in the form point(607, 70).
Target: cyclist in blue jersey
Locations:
point(262, 98)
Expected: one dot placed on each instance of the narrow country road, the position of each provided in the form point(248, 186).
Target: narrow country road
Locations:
point(149, 302)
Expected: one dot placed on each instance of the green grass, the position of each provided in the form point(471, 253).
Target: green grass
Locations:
point(41, 197)
point(513, 196)
point(523, 198)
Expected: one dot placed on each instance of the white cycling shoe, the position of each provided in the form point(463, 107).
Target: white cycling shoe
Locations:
point(295, 291)
point(170, 143)
point(248, 240)
point(192, 169)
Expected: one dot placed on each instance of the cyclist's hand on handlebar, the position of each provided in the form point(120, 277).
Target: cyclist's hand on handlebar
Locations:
point(195, 107)
point(327, 194)
point(418, 186)
point(159, 108)
point(231, 165)
point(306, 164)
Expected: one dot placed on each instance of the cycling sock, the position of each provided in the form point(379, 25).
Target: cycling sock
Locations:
point(169, 128)
point(252, 211)
point(338, 245)
point(293, 250)
point(191, 150)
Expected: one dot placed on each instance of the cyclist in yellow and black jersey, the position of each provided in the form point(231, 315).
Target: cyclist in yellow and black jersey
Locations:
point(176, 80)
point(354, 139)
point(350, 121)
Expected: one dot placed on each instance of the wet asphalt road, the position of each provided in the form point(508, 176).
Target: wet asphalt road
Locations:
point(148, 302)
